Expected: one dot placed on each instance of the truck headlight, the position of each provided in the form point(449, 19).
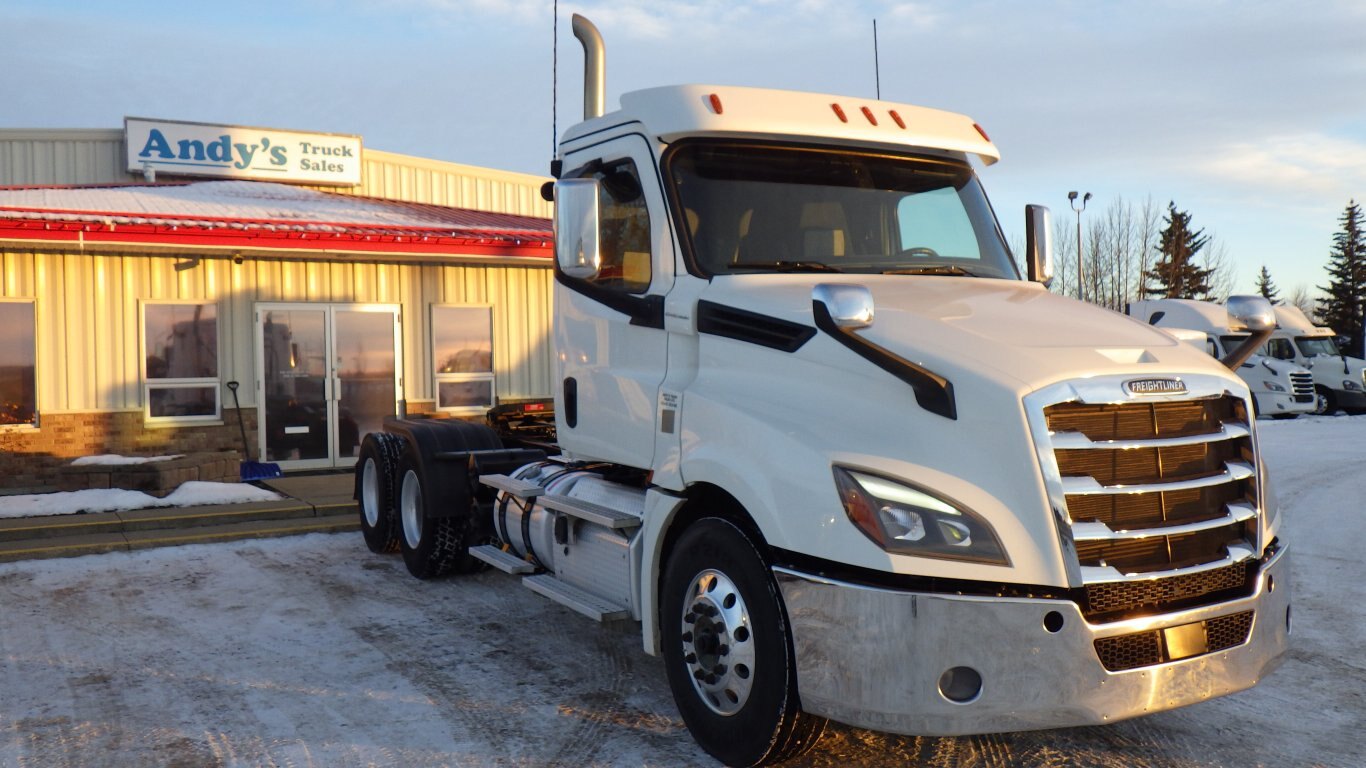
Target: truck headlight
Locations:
point(1351, 386)
point(908, 520)
point(1273, 386)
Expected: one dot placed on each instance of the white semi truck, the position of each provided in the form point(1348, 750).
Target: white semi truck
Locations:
point(1339, 380)
point(1280, 388)
point(818, 437)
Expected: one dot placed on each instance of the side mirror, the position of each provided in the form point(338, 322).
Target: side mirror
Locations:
point(1039, 244)
point(576, 227)
point(850, 306)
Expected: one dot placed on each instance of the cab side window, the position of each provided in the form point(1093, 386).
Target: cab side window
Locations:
point(1280, 349)
point(624, 239)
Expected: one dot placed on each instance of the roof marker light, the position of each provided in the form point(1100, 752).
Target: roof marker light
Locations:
point(984, 133)
point(897, 119)
point(868, 113)
point(715, 103)
point(839, 113)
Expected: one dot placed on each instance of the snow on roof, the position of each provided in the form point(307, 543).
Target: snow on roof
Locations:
point(277, 212)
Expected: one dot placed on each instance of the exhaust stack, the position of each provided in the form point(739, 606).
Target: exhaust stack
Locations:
point(594, 67)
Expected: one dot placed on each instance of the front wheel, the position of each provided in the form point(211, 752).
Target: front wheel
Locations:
point(1324, 401)
point(727, 650)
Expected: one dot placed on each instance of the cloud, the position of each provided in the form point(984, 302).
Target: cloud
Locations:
point(1313, 163)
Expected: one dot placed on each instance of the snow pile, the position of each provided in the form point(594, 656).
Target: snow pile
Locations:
point(190, 494)
point(115, 460)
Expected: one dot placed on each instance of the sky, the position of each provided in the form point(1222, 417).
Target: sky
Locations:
point(1249, 115)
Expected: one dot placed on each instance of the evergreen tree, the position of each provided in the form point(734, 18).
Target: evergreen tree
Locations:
point(1176, 275)
point(1267, 288)
point(1342, 308)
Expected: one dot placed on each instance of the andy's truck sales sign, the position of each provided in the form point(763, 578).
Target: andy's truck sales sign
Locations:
point(238, 152)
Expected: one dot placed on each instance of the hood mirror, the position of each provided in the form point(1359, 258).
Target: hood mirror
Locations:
point(1039, 244)
point(850, 306)
point(1248, 313)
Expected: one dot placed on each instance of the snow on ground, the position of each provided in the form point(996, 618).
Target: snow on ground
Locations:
point(311, 651)
point(115, 460)
point(190, 494)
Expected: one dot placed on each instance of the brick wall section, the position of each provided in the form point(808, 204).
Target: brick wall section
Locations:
point(157, 478)
point(32, 459)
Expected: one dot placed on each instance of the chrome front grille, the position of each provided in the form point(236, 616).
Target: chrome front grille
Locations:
point(1157, 494)
point(1302, 386)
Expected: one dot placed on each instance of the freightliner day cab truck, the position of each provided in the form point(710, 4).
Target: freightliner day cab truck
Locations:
point(819, 438)
point(1280, 388)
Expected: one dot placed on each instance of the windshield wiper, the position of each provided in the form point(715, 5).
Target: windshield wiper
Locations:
point(938, 269)
point(787, 266)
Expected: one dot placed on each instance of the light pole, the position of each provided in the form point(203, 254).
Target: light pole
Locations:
point(1072, 200)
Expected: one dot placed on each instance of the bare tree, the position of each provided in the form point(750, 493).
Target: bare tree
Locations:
point(1302, 298)
point(1222, 279)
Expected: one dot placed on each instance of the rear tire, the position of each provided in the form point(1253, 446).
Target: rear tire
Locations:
point(727, 650)
point(376, 475)
point(432, 546)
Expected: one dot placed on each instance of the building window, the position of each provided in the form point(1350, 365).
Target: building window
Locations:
point(462, 356)
point(18, 363)
point(181, 368)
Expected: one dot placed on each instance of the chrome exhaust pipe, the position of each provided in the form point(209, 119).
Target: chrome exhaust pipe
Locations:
point(594, 67)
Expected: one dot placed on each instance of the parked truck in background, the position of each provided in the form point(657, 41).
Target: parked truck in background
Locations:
point(1280, 388)
point(1339, 380)
point(819, 438)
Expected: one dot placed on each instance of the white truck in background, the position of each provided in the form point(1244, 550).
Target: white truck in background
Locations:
point(1280, 388)
point(1339, 380)
point(819, 438)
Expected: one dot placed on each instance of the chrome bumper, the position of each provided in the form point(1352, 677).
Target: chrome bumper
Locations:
point(873, 658)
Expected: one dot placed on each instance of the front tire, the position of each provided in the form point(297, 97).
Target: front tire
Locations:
point(432, 546)
point(1324, 401)
point(376, 473)
point(728, 652)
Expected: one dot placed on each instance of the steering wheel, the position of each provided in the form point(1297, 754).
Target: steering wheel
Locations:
point(928, 253)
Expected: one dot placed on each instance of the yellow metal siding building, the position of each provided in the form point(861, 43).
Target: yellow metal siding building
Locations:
point(95, 387)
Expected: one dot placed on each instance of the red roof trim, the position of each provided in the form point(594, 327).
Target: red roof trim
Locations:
point(433, 241)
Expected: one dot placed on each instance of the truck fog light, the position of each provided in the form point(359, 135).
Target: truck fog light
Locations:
point(960, 685)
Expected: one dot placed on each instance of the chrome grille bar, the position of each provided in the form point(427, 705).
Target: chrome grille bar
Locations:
point(1076, 440)
point(1104, 574)
point(1087, 486)
point(1093, 531)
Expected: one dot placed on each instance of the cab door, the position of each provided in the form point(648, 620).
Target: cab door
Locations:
point(609, 331)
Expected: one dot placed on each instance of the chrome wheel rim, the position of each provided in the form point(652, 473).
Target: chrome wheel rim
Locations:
point(369, 493)
point(410, 508)
point(718, 642)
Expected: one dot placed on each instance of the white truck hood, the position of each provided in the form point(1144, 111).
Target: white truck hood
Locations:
point(996, 328)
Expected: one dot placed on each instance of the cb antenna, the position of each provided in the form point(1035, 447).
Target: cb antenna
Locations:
point(877, 68)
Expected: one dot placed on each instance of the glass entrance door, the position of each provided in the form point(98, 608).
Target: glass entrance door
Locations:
point(329, 374)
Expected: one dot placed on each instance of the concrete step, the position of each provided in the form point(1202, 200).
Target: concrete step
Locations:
point(94, 543)
point(30, 528)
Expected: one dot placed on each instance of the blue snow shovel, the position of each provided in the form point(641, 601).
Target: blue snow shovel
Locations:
point(251, 470)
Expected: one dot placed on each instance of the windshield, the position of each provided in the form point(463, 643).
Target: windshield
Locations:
point(1317, 345)
point(751, 208)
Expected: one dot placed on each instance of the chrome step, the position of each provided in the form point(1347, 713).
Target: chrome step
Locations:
point(593, 513)
point(575, 599)
point(518, 488)
point(503, 561)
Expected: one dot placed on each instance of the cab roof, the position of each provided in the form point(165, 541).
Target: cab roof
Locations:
point(675, 111)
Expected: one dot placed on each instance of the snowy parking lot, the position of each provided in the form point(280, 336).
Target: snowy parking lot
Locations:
point(311, 651)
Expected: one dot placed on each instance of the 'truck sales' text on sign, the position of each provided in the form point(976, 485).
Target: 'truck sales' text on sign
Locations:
point(238, 152)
